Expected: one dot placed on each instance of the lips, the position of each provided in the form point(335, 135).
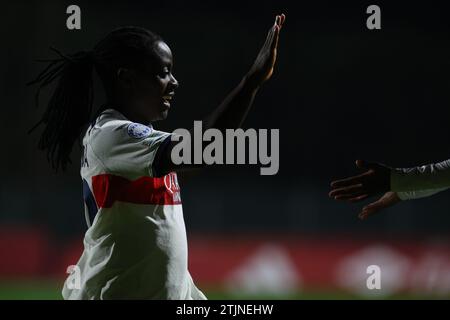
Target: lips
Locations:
point(168, 98)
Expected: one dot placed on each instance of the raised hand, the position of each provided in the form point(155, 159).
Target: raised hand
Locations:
point(373, 181)
point(262, 68)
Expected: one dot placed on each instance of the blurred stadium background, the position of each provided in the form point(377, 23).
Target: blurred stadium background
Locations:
point(340, 92)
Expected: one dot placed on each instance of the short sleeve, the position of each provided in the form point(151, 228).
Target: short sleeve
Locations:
point(126, 148)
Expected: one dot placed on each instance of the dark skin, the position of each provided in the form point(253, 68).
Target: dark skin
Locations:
point(374, 181)
point(145, 95)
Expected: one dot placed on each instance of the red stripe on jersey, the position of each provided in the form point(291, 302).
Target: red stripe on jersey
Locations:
point(108, 188)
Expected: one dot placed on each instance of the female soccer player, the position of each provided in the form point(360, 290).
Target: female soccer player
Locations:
point(135, 246)
point(395, 184)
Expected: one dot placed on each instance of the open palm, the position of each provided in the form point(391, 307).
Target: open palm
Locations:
point(263, 66)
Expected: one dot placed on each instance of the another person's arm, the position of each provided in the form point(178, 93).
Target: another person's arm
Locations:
point(427, 177)
point(394, 184)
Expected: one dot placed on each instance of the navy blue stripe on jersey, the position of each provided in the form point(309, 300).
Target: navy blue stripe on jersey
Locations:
point(89, 200)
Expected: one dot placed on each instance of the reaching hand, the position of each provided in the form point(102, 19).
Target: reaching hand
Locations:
point(387, 200)
point(262, 68)
point(375, 180)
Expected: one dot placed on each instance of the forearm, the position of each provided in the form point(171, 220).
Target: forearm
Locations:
point(428, 177)
point(234, 108)
point(230, 114)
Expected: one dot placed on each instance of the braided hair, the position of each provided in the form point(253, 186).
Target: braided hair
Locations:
point(69, 109)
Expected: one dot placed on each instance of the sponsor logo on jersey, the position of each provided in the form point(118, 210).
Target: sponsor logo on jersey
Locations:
point(171, 183)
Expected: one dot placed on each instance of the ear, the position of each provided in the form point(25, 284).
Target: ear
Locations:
point(125, 77)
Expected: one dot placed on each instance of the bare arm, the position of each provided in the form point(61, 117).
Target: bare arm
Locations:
point(235, 107)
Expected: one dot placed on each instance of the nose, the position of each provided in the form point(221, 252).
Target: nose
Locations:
point(174, 82)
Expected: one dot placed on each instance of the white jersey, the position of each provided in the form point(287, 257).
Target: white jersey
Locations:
point(135, 246)
point(421, 181)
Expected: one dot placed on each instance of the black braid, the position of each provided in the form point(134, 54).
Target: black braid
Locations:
point(70, 106)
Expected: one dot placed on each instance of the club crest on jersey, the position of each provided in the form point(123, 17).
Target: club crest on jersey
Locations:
point(138, 131)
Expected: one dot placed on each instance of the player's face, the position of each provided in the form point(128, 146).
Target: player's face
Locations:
point(155, 85)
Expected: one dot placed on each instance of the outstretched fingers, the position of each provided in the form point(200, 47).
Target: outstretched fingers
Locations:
point(348, 181)
point(358, 198)
point(347, 193)
point(274, 32)
point(282, 19)
point(274, 43)
point(269, 37)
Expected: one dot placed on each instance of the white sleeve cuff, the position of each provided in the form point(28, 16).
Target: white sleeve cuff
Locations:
point(410, 195)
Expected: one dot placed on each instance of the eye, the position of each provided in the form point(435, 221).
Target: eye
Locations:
point(164, 72)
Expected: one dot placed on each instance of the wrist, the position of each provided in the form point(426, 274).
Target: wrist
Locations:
point(250, 82)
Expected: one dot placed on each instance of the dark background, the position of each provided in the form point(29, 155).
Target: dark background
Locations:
point(339, 92)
